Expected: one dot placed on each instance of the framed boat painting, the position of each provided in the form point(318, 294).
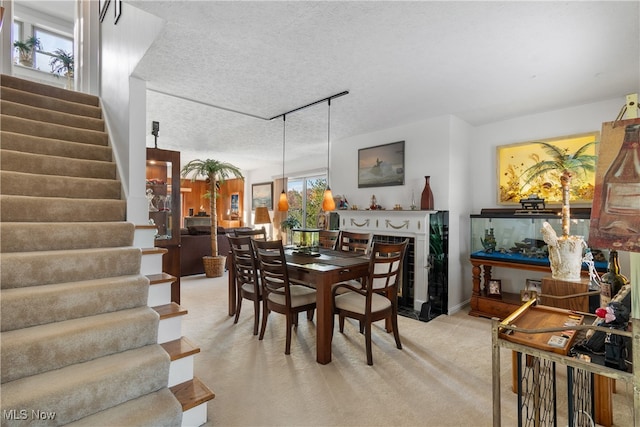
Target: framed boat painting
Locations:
point(381, 166)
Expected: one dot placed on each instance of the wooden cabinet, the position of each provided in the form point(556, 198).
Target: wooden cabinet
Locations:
point(163, 195)
point(229, 205)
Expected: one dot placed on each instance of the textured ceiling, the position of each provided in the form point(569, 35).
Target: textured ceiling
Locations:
point(400, 61)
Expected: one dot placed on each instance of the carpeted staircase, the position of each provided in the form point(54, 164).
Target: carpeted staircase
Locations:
point(78, 342)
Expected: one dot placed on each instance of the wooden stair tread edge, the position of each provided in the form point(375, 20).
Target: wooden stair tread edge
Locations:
point(157, 279)
point(170, 310)
point(192, 393)
point(180, 348)
point(154, 250)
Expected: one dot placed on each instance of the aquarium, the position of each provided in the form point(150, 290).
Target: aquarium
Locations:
point(512, 236)
point(306, 240)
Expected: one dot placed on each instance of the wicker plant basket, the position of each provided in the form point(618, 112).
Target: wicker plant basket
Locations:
point(214, 266)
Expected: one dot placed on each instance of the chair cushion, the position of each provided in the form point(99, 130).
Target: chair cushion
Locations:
point(300, 295)
point(249, 287)
point(354, 302)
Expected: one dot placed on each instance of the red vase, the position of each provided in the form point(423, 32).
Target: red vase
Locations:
point(426, 201)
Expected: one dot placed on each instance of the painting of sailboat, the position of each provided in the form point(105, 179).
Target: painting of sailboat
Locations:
point(381, 166)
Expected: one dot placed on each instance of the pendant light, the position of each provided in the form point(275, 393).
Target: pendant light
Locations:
point(328, 204)
point(283, 203)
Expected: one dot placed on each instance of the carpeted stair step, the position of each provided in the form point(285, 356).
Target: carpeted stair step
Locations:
point(52, 209)
point(43, 348)
point(41, 236)
point(39, 305)
point(84, 389)
point(29, 184)
point(159, 409)
point(48, 102)
point(18, 161)
point(21, 269)
point(54, 147)
point(50, 130)
point(46, 90)
point(9, 108)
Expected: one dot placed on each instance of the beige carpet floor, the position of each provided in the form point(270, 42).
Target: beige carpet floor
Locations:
point(441, 377)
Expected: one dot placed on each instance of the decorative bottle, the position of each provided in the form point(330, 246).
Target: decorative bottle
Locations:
point(612, 281)
point(426, 201)
point(620, 210)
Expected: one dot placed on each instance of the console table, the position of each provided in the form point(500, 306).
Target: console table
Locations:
point(483, 305)
point(486, 306)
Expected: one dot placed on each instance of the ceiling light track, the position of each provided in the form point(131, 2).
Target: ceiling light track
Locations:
point(328, 98)
point(208, 105)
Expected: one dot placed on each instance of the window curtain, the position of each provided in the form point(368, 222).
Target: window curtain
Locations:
point(278, 216)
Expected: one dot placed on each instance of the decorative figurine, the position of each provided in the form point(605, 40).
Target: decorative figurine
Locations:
point(489, 241)
point(150, 196)
point(344, 203)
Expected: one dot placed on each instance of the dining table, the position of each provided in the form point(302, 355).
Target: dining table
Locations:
point(319, 270)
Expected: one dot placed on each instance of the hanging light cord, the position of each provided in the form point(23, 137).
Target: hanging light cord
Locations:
point(283, 203)
point(328, 140)
point(284, 131)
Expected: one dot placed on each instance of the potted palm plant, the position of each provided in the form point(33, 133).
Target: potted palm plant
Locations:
point(26, 50)
point(62, 64)
point(565, 252)
point(289, 224)
point(215, 172)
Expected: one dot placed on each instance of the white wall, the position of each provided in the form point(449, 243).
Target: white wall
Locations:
point(426, 153)
point(459, 207)
point(124, 102)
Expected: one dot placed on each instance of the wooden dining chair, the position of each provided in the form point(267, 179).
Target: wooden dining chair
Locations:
point(257, 234)
point(328, 238)
point(246, 277)
point(278, 293)
point(378, 298)
point(349, 241)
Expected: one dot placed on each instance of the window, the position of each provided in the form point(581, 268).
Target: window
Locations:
point(305, 198)
point(50, 42)
point(16, 34)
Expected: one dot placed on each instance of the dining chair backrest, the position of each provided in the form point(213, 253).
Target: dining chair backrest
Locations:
point(349, 241)
point(243, 259)
point(273, 268)
point(257, 234)
point(245, 272)
point(385, 266)
point(328, 238)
